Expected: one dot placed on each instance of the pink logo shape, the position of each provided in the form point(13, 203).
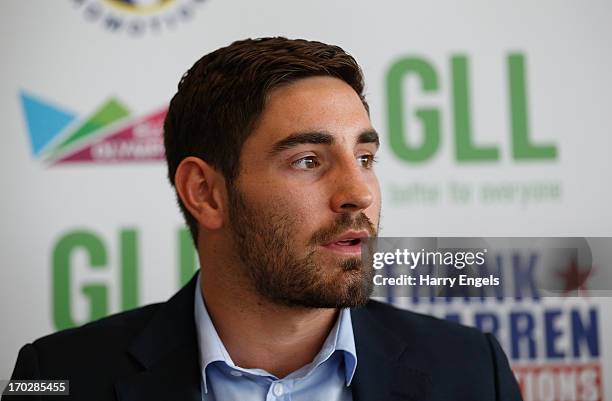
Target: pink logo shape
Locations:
point(140, 141)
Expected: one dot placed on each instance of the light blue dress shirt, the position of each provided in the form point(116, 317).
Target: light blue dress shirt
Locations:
point(326, 378)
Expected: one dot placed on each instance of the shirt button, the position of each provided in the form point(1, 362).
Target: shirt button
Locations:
point(235, 373)
point(278, 389)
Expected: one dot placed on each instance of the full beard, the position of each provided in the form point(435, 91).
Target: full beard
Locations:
point(262, 239)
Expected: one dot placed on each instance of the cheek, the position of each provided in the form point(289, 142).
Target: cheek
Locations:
point(295, 206)
point(306, 211)
point(304, 207)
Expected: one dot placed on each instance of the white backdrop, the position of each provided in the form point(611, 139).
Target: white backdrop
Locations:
point(66, 55)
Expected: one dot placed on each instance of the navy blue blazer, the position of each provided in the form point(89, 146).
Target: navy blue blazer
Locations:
point(151, 353)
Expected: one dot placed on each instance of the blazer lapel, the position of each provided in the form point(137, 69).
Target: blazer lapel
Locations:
point(384, 369)
point(167, 349)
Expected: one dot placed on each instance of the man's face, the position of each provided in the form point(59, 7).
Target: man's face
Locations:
point(306, 196)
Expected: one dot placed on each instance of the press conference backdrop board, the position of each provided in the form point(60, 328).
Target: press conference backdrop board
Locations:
point(494, 118)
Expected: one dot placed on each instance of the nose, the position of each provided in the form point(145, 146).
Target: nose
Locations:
point(351, 189)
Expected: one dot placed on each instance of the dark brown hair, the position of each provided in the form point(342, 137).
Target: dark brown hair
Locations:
point(223, 94)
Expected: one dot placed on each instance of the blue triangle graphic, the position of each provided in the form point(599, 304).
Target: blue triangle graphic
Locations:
point(45, 121)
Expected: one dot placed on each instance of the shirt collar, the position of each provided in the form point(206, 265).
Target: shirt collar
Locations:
point(346, 342)
point(211, 346)
point(340, 338)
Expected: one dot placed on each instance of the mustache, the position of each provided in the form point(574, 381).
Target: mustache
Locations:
point(343, 223)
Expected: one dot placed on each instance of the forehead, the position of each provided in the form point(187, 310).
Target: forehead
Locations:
point(312, 104)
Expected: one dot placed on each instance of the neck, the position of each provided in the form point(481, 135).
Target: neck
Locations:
point(258, 333)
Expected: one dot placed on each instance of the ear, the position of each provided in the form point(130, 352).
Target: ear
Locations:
point(202, 190)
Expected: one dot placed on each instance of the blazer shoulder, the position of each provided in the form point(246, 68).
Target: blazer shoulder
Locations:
point(458, 358)
point(426, 329)
point(120, 324)
point(102, 339)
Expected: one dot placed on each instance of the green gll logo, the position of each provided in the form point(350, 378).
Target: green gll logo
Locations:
point(400, 108)
point(98, 292)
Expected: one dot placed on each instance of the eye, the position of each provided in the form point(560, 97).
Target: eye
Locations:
point(367, 161)
point(306, 163)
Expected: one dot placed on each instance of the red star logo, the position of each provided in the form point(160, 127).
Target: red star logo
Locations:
point(574, 278)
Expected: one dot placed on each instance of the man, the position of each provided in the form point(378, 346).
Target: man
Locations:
point(271, 150)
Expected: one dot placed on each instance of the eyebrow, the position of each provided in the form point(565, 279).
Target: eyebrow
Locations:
point(369, 136)
point(319, 138)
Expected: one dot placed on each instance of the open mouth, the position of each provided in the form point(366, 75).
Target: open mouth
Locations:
point(346, 245)
point(349, 242)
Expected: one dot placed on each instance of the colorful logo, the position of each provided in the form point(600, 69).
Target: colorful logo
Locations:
point(137, 17)
point(109, 134)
